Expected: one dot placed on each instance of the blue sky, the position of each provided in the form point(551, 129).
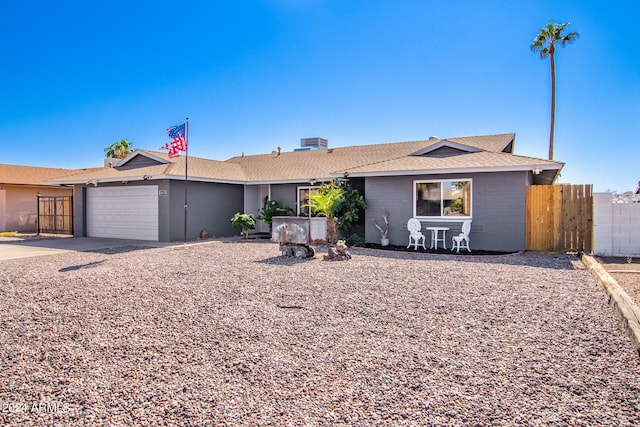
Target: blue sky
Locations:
point(256, 74)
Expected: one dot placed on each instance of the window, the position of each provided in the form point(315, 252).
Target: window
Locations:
point(303, 199)
point(442, 199)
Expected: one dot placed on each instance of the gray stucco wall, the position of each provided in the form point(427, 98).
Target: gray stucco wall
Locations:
point(138, 162)
point(498, 209)
point(79, 212)
point(286, 194)
point(210, 207)
point(252, 200)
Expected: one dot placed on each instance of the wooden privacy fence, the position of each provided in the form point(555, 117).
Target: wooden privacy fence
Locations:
point(559, 218)
point(55, 214)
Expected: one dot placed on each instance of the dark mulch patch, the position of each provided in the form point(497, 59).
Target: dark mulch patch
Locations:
point(400, 248)
point(397, 248)
point(260, 236)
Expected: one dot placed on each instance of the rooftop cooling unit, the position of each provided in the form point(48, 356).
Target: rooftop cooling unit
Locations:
point(314, 143)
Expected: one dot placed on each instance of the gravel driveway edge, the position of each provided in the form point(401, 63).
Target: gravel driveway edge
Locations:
point(627, 311)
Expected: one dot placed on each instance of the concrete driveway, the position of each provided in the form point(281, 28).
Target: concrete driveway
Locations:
point(33, 248)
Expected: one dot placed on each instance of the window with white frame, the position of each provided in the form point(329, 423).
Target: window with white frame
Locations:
point(442, 198)
point(303, 199)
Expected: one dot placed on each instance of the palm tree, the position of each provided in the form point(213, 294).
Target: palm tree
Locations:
point(324, 202)
point(545, 42)
point(118, 150)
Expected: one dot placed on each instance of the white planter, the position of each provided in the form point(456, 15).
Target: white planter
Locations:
point(318, 230)
point(384, 242)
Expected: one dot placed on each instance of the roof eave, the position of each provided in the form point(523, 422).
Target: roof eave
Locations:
point(527, 168)
point(144, 153)
point(289, 181)
point(134, 178)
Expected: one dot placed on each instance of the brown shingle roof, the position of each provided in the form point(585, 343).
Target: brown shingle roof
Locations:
point(204, 168)
point(467, 161)
point(33, 175)
point(199, 169)
point(328, 163)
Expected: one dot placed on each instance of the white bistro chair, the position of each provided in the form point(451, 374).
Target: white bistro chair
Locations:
point(414, 226)
point(461, 241)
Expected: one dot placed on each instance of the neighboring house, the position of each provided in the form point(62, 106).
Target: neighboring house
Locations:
point(19, 188)
point(439, 181)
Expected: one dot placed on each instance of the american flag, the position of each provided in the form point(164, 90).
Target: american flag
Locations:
point(178, 140)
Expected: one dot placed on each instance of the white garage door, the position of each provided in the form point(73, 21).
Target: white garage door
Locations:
point(123, 212)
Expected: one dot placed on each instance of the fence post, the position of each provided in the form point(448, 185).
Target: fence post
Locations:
point(38, 214)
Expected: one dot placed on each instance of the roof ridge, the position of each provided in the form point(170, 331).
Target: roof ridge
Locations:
point(430, 141)
point(376, 162)
point(434, 142)
point(164, 154)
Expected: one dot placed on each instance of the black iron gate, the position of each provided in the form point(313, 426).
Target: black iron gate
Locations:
point(55, 214)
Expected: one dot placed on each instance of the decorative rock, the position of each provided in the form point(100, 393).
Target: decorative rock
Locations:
point(388, 338)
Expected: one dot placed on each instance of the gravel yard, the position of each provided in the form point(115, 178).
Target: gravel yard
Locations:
point(232, 334)
point(626, 271)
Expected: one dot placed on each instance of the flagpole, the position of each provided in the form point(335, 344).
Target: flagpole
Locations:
point(186, 175)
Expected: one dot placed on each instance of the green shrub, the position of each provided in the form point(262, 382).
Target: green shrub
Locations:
point(245, 222)
point(355, 240)
point(351, 201)
point(272, 209)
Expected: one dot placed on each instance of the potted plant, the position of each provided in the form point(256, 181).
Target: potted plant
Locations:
point(245, 222)
point(384, 232)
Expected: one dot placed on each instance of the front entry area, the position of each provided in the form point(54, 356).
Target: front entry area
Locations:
point(123, 212)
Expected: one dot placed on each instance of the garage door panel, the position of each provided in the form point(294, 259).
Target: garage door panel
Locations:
point(123, 212)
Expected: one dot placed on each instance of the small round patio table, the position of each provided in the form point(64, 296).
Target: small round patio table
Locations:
point(435, 233)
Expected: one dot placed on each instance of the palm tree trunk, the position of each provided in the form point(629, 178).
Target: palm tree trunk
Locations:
point(553, 101)
point(331, 230)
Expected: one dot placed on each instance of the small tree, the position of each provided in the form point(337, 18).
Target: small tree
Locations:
point(324, 202)
point(118, 150)
point(245, 222)
point(349, 206)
